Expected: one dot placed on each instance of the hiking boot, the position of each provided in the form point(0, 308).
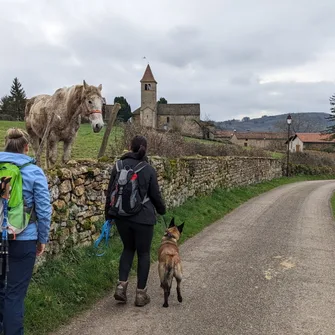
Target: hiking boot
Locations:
point(121, 291)
point(142, 298)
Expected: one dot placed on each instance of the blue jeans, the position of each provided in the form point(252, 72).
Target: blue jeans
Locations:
point(22, 255)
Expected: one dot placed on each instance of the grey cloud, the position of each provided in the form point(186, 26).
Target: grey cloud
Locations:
point(214, 53)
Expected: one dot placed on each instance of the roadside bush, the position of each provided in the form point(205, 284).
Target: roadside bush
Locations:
point(301, 169)
point(310, 163)
point(330, 149)
point(313, 158)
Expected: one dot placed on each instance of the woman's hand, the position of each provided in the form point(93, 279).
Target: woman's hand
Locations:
point(40, 249)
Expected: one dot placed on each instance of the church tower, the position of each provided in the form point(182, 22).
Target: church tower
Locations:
point(148, 99)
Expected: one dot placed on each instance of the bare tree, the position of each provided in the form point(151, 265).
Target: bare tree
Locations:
point(299, 125)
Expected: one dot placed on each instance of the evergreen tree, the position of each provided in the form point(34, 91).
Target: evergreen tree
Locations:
point(18, 97)
point(331, 118)
point(125, 112)
point(6, 105)
point(162, 101)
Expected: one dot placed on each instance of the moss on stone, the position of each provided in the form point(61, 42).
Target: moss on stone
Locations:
point(105, 159)
point(87, 224)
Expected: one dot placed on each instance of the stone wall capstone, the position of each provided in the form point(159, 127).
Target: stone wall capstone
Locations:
point(77, 190)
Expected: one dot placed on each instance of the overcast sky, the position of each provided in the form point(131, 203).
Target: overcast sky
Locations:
point(235, 57)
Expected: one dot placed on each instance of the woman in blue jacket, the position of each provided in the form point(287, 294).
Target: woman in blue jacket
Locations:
point(31, 241)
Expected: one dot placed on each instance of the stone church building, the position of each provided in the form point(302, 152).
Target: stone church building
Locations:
point(176, 117)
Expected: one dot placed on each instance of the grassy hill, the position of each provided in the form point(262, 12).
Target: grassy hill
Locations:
point(301, 122)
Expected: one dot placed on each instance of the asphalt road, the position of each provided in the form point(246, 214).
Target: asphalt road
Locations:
point(266, 268)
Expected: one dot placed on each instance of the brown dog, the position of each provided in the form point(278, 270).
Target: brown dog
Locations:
point(169, 265)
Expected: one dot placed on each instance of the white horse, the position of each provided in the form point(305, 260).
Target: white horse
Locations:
point(58, 117)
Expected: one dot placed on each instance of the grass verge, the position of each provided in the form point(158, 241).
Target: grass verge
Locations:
point(68, 285)
point(332, 202)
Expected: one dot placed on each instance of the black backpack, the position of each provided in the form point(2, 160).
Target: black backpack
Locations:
point(125, 198)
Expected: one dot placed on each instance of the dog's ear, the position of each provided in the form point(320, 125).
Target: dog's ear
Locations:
point(181, 227)
point(172, 223)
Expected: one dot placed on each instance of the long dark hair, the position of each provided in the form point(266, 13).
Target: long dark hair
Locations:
point(139, 146)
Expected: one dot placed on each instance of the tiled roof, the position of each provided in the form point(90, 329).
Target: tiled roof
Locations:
point(261, 135)
point(148, 76)
point(315, 138)
point(178, 109)
point(224, 133)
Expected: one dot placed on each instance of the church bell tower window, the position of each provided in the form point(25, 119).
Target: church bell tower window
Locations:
point(147, 87)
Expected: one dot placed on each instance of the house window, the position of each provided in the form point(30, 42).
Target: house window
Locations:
point(168, 119)
point(147, 87)
point(245, 144)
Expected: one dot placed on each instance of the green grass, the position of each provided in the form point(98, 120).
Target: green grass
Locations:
point(72, 283)
point(86, 144)
point(202, 141)
point(276, 155)
point(332, 202)
point(4, 126)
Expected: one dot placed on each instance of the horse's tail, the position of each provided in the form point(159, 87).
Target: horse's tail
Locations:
point(29, 103)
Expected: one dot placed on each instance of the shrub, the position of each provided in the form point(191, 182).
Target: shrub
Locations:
point(301, 169)
point(6, 117)
point(313, 158)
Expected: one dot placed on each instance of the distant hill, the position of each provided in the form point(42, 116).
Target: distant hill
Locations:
point(301, 122)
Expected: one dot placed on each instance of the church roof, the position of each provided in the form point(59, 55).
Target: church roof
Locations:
point(178, 109)
point(174, 109)
point(148, 76)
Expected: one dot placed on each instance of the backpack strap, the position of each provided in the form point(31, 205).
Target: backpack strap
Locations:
point(31, 211)
point(24, 165)
point(146, 199)
point(140, 166)
point(119, 165)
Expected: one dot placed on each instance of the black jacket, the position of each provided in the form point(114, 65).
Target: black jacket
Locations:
point(148, 185)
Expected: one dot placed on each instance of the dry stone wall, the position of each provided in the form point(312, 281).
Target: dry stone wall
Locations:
point(78, 190)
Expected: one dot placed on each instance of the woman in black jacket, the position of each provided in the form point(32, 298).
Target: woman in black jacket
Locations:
point(136, 231)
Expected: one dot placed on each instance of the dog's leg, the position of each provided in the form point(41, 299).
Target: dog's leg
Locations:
point(166, 298)
point(178, 277)
point(180, 298)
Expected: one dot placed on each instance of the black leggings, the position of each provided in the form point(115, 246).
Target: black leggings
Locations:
point(135, 237)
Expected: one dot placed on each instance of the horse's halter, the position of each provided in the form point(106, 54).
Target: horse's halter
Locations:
point(90, 112)
point(95, 111)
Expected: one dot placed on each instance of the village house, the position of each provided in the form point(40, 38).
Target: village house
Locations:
point(223, 135)
point(264, 140)
point(184, 118)
point(310, 141)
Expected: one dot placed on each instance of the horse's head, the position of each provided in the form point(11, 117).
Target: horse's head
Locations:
point(92, 100)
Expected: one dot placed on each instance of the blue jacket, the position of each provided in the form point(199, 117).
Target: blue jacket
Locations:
point(35, 192)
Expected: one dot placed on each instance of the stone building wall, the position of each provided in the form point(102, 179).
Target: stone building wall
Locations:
point(78, 190)
point(184, 124)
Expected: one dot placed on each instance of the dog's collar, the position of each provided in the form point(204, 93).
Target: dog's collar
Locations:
point(169, 235)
